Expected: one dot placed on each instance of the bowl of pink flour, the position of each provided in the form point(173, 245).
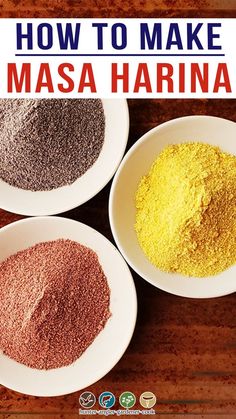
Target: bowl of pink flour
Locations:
point(56, 154)
point(68, 306)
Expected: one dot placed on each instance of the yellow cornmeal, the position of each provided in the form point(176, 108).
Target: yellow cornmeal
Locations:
point(186, 210)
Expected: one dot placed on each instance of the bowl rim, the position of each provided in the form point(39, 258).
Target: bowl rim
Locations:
point(112, 364)
point(123, 251)
point(68, 207)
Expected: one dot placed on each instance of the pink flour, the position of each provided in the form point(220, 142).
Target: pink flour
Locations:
point(54, 301)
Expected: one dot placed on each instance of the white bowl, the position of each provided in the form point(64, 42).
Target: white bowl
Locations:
point(112, 341)
point(137, 162)
point(62, 199)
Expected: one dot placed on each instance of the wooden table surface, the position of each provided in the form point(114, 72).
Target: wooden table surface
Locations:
point(184, 350)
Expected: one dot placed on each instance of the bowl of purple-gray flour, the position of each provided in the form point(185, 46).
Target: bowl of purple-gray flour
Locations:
point(56, 154)
point(67, 306)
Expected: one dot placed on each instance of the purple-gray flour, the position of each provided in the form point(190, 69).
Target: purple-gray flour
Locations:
point(48, 143)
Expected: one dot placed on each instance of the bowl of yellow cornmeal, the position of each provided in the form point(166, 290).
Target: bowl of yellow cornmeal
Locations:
point(172, 206)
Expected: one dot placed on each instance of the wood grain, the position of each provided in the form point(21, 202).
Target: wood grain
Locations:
point(117, 8)
point(183, 350)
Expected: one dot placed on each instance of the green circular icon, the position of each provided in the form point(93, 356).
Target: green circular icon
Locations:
point(127, 399)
